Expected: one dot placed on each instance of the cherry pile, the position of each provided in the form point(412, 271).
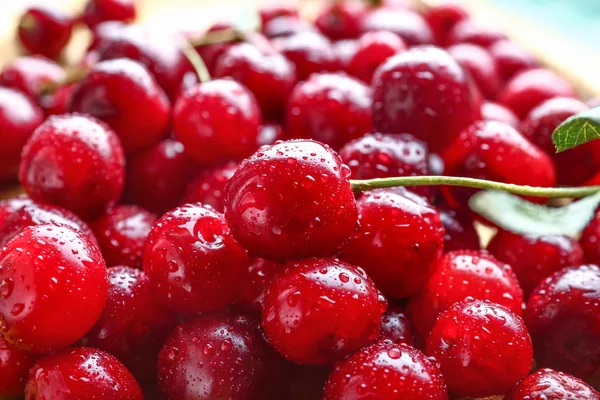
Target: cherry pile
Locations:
point(184, 239)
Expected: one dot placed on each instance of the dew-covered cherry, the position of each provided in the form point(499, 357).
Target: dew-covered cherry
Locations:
point(373, 48)
point(14, 368)
point(320, 310)
point(442, 18)
point(469, 31)
point(408, 25)
point(547, 384)
point(480, 65)
point(31, 74)
point(44, 30)
point(122, 93)
point(121, 233)
point(208, 186)
point(491, 111)
point(483, 348)
point(81, 373)
point(330, 108)
point(398, 242)
point(260, 273)
point(341, 20)
point(424, 91)
point(511, 58)
point(291, 200)
point(459, 232)
point(310, 52)
point(459, 275)
point(396, 326)
point(97, 11)
point(75, 162)
point(589, 240)
point(53, 287)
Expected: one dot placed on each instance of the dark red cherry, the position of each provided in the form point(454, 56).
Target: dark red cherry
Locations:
point(589, 240)
point(373, 48)
point(320, 310)
point(340, 21)
point(45, 31)
point(81, 373)
point(468, 31)
point(480, 65)
point(75, 162)
point(14, 367)
point(286, 25)
point(270, 11)
point(260, 273)
point(300, 382)
point(310, 52)
point(97, 11)
point(511, 58)
point(459, 232)
point(398, 241)
point(269, 133)
point(291, 200)
point(208, 186)
point(217, 121)
point(396, 326)
point(547, 384)
point(119, 92)
point(442, 18)
point(483, 348)
point(193, 261)
point(330, 108)
point(425, 92)
point(491, 111)
point(408, 25)
point(30, 75)
point(9, 206)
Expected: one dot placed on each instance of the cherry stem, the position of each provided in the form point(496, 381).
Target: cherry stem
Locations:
point(220, 36)
point(194, 58)
point(370, 184)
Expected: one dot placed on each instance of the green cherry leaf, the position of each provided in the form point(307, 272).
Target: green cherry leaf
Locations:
point(514, 214)
point(578, 129)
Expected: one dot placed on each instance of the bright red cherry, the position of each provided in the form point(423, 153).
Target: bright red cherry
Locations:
point(373, 48)
point(45, 31)
point(273, 10)
point(260, 273)
point(396, 326)
point(344, 50)
point(210, 53)
point(310, 52)
point(291, 200)
point(269, 133)
point(81, 373)
point(425, 92)
point(459, 232)
point(480, 65)
point(97, 11)
point(53, 287)
point(269, 76)
point(459, 275)
point(286, 25)
point(31, 74)
point(193, 261)
point(320, 310)
point(9, 206)
point(14, 367)
point(217, 356)
point(340, 21)
point(217, 121)
point(534, 258)
point(330, 108)
point(468, 31)
point(19, 116)
point(590, 241)
point(483, 348)
point(75, 162)
point(119, 92)
point(442, 18)
point(547, 384)
point(511, 58)
point(563, 317)
point(398, 241)
point(408, 25)
point(121, 234)
point(491, 111)
point(208, 186)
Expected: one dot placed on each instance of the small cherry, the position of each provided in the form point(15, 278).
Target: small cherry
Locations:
point(491, 111)
point(442, 18)
point(286, 25)
point(459, 232)
point(468, 31)
point(46, 31)
point(260, 273)
point(396, 326)
point(14, 368)
point(98, 11)
point(9, 206)
point(270, 11)
point(372, 49)
point(210, 53)
point(57, 102)
point(547, 384)
point(269, 133)
point(341, 20)
point(511, 58)
point(31, 75)
point(344, 51)
point(480, 65)
point(208, 186)
point(310, 52)
point(410, 26)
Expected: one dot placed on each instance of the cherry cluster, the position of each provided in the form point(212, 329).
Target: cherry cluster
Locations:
point(183, 239)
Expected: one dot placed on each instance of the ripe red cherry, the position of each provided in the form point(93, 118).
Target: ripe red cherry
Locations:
point(14, 367)
point(459, 232)
point(119, 92)
point(330, 108)
point(425, 92)
point(462, 274)
point(291, 200)
point(563, 317)
point(45, 31)
point(9, 206)
point(193, 261)
point(217, 121)
point(386, 370)
point(121, 234)
point(210, 53)
point(530, 88)
point(81, 373)
point(208, 186)
point(396, 326)
point(491, 111)
point(270, 11)
point(269, 76)
point(511, 58)
point(57, 102)
point(97, 11)
point(547, 384)
point(31, 74)
point(534, 258)
point(217, 356)
point(320, 310)
point(410, 26)
point(381, 156)
point(442, 18)
point(468, 31)
point(285, 25)
point(340, 21)
point(373, 48)
point(19, 116)
point(269, 133)
point(260, 273)
point(398, 241)
point(590, 241)
point(53, 287)
point(483, 348)
point(480, 65)
point(75, 162)
point(344, 50)
point(309, 51)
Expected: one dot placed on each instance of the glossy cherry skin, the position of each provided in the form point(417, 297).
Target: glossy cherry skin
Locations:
point(589, 240)
point(330, 108)
point(19, 116)
point(14, 368)
point(193, 261)
point(97, 11)
point(480, 65)
point(461, 274)
point(547, 384)
point(291, 200)
point(121, 234)
point(468, 31)
point(381, 156)
point(53, 287)
point(491, 111)
point(563, 315)
point(511, 58)
point(260, 273)
point(442, 18)
point(269, 76)
point(9, 206)
point(407, 24)
point(46, 31)
point(373, 48)
point(398, 241)
point(396, 326)
point(534, 258)
point(217, 121)
point(310, 52)
point(31, 74)
point(119, 92)
point(75, 162)
point(208, 186)
point(483, 348)
point(217, 356)
point(340, 21)
point(425, 92)
point(320, 310)
point(269, 133)
point(81, 373)
point(459, 232)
